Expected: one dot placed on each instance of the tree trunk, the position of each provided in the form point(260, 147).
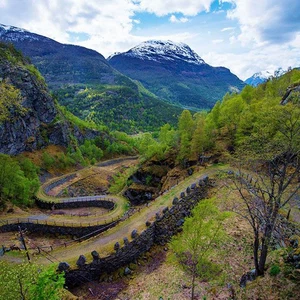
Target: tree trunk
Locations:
point(264, 250)
point(255, 252)
point(193, 282)
point(262, 260)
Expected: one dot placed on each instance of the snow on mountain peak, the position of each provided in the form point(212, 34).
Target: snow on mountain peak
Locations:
point(263, 76)
point(12, 33)
point(11, 28)
point(157, 50)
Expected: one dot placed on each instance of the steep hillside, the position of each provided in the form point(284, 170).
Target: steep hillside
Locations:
point(110, 98)
point(59, 63)
point(174, 72)
point(118, 107)
point(29, 118)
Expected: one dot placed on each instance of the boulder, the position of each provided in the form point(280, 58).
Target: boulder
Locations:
point(126, 242)
point(63, 267)
point(95, 255)
point(134, 233)
point(166, 209)
point(127, 271)
point(180, 222)
point(175, 201)
point(249, 276)
point(81, 261)
point(117, 246)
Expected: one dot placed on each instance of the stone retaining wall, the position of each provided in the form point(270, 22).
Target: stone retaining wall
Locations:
point(52, 185)
point(61, 230)
point(75, 204)
point(168, 223)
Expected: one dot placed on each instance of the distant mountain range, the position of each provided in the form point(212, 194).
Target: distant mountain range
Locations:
point(263, 76)
point(175, 73)
point(62, 64)
point(110, 98)
point(141, 89)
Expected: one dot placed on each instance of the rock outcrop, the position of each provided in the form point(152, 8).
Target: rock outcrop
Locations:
point(39, 122)
point(292, 94)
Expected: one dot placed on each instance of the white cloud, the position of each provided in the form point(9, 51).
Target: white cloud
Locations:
point(108, 27)
point(108, 24)
point(227, 29)
point(258, 59)
point(165, 7)
point(2, 3)
point(271, 21)
point(174, 19)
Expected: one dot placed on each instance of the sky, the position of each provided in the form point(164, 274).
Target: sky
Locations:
point(246, 36)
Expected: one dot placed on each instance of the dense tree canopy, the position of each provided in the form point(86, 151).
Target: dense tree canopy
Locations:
point(18, 180)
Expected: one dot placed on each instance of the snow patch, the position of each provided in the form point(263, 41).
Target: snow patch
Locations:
point(11, 33)
point(157, 50)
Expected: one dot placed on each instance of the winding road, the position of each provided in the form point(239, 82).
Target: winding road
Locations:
point(104, 242)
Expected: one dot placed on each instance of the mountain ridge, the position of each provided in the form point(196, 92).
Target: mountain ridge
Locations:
point(69, 68)
point(167, 50)
point(262, 76)
point(175, 73)
point(59, 63)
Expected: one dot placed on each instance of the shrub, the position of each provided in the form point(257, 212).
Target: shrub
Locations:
point(274, 270)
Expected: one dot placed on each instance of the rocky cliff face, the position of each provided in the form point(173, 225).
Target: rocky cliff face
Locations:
point(39, 123)
point(24, 131)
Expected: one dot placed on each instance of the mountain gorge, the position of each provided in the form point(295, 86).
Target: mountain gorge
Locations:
point(175, 73)
point(243, 153)
point(111, 98)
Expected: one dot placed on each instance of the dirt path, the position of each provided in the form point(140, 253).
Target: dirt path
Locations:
point(104, 242)
point(105, 169)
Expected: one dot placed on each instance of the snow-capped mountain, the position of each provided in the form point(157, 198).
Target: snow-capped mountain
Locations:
point(61, 63)
point(263, 76)
point(157, 50)
point(174, 72)
point(14, 34)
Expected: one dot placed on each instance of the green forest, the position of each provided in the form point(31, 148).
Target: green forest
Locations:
point(252, 124)
point(255, 132)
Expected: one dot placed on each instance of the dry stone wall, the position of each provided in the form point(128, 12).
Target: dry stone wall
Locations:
point(168, 223)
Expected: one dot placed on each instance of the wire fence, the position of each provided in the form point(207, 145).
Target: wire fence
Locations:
point(36, 221)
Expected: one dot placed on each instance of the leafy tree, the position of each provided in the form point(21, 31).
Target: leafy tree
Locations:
point(202, 232)
point(185, 129)
point(47, 160)
point(10, 100)
point(28, 281)
point(231, 113)
point(186, 123)
point(14, 185)
point(168, 136)
point(199, 140)
point(272, 152)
